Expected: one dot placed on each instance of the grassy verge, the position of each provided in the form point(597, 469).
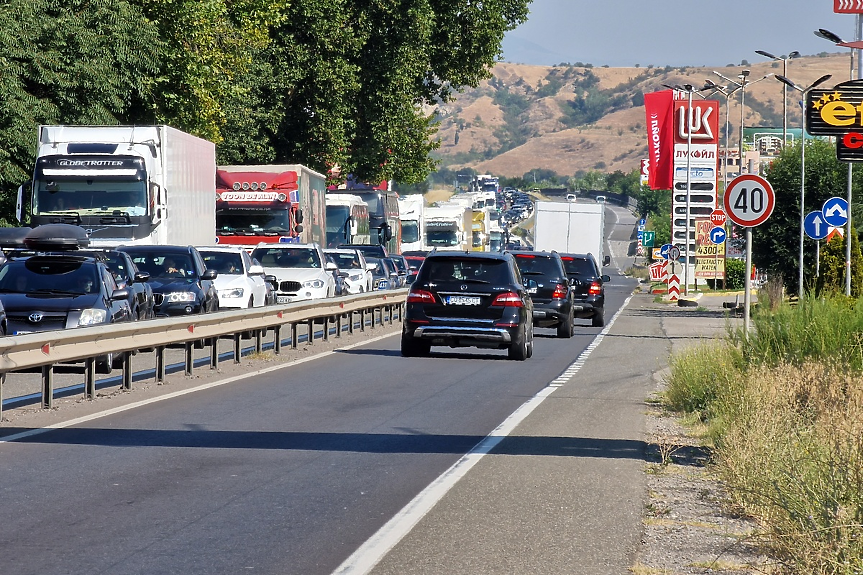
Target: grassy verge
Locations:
point(784, 410)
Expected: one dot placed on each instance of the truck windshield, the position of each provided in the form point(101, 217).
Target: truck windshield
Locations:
point(441, 238)
point(264, 221)
point(336, 218)
point(410, 231)
point(93, 196)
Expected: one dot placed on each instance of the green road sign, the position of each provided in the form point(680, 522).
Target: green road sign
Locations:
point(647, 239)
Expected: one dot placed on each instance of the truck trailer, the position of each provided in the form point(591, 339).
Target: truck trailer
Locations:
point(123, 184)
point(273, 203)
point(570, 227)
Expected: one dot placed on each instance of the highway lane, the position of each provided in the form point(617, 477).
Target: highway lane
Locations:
point(287, 472)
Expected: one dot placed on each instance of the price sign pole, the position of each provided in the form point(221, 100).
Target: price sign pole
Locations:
point(748, 201)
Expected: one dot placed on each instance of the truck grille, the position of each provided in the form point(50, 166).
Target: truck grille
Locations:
point(290, 286)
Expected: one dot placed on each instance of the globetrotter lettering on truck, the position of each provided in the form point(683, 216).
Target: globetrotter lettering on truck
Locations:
point(838, 112)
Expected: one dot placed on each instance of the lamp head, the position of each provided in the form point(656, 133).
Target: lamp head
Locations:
point(821, 80)
point(687, 87)
point(794, 54)
point(767, 55)
point(828, 35)
point(743, 74)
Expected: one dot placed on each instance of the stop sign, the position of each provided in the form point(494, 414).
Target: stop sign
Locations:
point(717, 218)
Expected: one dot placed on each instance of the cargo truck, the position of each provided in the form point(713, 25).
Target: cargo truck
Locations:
point(448, 227)
point(384, 224)
point(570, 227)
point(347, 220)
point(273, 203)
point(123, 184)
point(412, 218)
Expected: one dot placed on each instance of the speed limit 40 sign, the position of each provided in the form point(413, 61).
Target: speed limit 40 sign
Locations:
point(749, 200)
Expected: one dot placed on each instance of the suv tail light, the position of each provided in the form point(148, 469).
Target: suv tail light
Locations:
point(508, 299)
point(559, 292)
point(595, 288)
point(420, 296)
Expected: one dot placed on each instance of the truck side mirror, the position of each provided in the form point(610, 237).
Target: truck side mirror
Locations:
point(606, 260)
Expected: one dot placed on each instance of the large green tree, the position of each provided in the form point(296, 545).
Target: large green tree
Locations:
point(776, 243)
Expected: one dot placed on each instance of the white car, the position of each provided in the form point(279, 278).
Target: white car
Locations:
point(241, 282)
point(302, 271)
point(358, 278)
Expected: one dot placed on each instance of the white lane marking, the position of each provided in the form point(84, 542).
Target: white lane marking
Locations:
point(112, 411)
point(370, 553)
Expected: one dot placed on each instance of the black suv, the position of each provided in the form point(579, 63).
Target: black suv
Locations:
point(468, 299)
point(181, 282)
point(549, 290)
point(588, 288)
point(369, 250)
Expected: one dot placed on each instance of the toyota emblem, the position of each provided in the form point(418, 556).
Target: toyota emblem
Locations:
point(35, 317)
point(463, 287)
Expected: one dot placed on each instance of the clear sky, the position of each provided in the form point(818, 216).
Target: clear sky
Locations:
point(622, 33)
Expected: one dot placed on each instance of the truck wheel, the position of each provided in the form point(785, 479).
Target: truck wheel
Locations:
point(518, 350)
point(411, 347)
point(565, 328)
point(598, 319)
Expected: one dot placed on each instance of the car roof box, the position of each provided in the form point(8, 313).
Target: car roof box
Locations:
point(57, 237)
point(13, 237)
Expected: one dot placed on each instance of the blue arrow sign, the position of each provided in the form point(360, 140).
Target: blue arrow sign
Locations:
point(718, 235)
point(663, 251)
point(815, 226)
point(835, 211)
point(642, 222)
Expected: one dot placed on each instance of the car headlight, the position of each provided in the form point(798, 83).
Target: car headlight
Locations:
point(92, 317)
point(180, 296)
point(234, 292)
point(356, 276)
point(315, 284)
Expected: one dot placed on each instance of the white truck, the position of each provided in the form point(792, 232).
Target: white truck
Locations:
point(448, 227)
point(570, 227)
point(412, 217)
point(123, 184)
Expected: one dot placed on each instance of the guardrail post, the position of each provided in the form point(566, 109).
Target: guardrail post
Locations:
point(48, 386)
point(326, 336)
point(277, 339)
point(311, 338)
point(2, 382)
point(339, 325)
point(89, 378)
point(293, 336)
point(127, 371)
point(363, 319)
point(351, 322)
point(160, 364)
point(214, 353)
point(259, 341)
point(190, 360)
point(390, 309)
point(374, 317)
point(238, 351)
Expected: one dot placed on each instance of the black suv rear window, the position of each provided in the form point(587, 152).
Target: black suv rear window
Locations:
point(466, 269)
point(538, 265)
point(578, 267)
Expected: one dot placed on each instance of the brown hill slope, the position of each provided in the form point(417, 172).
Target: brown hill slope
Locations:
point(570, 119)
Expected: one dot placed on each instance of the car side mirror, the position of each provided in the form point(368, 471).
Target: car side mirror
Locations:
point(120, 294)
point(331, 266)
point(606, 260)
point(209, 275)
point(256, 270)
point(344, 274)
point(606, 278)
point(140, 277)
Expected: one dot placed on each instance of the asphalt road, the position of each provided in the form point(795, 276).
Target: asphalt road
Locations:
point(294, 469)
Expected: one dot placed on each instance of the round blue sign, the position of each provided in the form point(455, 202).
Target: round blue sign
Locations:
point(835, 211)
point(815, 226)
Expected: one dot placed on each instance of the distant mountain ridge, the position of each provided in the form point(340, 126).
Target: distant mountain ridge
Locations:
point(578, 118)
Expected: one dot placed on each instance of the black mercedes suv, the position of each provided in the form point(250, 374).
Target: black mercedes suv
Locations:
point(587, 283)
point(551, 295)
point(468, 299)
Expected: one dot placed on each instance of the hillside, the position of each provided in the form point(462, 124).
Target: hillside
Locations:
point(576, 118)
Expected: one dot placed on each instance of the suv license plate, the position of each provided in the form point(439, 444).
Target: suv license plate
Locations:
point(283, 299)
point(462, 300)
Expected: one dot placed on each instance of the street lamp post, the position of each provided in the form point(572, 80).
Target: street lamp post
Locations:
point(788, 83)
point(831, 37)
point(726, 91)
point(742, 83)
point(784, 60)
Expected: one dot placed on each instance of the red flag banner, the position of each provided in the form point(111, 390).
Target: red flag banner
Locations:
point(659, 109)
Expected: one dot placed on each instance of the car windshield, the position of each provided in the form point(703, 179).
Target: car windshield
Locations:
point(537, 265)
point(345, 260)
point(164, 266)
point(288, 257)
point(578, 267)
point(40, 275)
point(225, 263)
point(465, 270)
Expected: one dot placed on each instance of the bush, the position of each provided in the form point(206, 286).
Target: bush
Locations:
point(735, 273)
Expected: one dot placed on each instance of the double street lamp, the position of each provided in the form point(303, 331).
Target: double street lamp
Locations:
point(784, 60)
point(726, 91)
point(741, 82)
point(789, 84)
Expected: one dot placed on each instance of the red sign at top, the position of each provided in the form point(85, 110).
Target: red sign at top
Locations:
point(703, 122)
point(717, 218)
point(848, 6)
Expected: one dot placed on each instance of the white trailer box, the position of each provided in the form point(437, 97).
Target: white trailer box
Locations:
point(570, 227)
point(124, 184)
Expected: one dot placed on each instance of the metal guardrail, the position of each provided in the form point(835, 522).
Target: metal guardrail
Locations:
point(47, 349)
